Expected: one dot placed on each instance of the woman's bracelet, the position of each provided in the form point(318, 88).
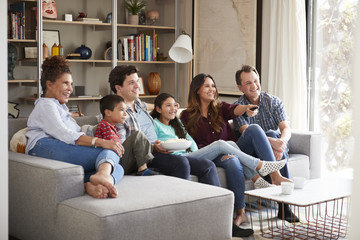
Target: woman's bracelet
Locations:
point(93, 141)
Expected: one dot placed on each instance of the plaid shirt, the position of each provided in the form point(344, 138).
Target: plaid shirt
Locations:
point(271, 113)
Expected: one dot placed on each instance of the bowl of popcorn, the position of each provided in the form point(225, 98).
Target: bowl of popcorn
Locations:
point(176, 144)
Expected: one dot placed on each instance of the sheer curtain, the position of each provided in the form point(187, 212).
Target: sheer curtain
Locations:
point(283, 61)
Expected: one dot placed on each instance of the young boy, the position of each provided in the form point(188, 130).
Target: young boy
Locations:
point(136, 149)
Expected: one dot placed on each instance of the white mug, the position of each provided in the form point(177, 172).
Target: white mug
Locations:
point(287, 188)
point(299, 182)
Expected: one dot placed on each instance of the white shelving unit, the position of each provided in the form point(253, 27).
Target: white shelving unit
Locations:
point(93, 73)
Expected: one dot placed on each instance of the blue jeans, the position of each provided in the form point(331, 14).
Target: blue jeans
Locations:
point(88, 157)
point(182, 166)
point(234, 178)
point(254, 142)
point(222, 147)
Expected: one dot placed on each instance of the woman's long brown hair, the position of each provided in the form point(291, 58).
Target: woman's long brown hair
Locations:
point(194, 106)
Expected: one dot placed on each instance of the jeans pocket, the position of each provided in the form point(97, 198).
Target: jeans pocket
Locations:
point(40, 150)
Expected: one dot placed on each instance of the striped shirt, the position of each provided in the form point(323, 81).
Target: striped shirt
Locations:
point(270, 113)
point(106, 131)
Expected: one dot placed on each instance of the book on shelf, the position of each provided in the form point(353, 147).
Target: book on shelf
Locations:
point(131, 45)
point(22, 20)
point(137, 47)
point(92, 20)
point(125, 48)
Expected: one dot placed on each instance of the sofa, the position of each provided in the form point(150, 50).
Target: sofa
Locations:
point(47, 199)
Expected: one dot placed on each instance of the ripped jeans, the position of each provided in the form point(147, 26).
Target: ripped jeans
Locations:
point(222, 148)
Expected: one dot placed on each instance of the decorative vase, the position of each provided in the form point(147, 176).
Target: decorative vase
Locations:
point(133, 19)
point(85, 52)
point(153, 83)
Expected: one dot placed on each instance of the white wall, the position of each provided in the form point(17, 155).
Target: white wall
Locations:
point(3, 121)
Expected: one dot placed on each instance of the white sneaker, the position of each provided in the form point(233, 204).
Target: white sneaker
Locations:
point(271, 166)
point(261, 183)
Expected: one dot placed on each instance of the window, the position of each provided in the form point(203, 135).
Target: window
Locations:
point(330, 81)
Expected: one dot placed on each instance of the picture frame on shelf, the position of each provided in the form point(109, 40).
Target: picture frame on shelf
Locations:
point(142, 89)
point(50, 37)
point(30, 52)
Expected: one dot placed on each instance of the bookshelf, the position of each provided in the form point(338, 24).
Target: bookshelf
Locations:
point(93, 73)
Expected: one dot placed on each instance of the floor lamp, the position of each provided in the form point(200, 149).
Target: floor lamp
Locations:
point(181, 52)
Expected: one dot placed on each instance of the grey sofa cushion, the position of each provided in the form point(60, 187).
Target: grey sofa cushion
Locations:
point(150, 208)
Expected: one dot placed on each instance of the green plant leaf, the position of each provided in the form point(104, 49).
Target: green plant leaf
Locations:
point(135, 6)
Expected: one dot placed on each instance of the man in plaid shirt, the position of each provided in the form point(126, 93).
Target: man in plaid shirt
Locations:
point(271, 118)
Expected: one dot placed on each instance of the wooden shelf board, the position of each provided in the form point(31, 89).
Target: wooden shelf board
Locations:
point(75, 22)
point(32, 99)
point(148, 96)
point(88, 61)
point(23, 81)
point(109, 24)
point(145, 26)
point(22, 40)
point(23, 1)
point(147, 62)
point(84, 98)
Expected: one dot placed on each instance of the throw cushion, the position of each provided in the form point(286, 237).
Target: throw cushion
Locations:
point(89, 130)
point(18, 141)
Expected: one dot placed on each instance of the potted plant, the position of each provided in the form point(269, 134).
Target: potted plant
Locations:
point(134, 7)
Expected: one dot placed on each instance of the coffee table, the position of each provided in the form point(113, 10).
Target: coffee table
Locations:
point(322, 205)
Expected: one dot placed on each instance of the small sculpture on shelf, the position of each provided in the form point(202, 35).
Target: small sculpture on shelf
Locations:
point(12, 58)
point(153, 83)
point(108, 18)
point(85, 52)
point(142, 17)
point(81, 15)
point(152, 16)
point(49, 9)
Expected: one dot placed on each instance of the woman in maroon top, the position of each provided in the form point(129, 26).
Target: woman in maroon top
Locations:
point(206, 120)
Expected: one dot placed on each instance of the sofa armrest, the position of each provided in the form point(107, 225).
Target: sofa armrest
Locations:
point(308, 143)
point(36, 186)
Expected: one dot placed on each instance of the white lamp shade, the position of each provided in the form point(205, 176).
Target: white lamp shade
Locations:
point(181, 50)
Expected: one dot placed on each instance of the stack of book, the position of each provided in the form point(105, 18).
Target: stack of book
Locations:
point(22, 20)
point(91, 20)
point(138, 47)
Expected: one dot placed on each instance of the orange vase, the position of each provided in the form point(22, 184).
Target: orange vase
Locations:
point(153, 83)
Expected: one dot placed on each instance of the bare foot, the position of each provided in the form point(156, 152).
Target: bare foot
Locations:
point(240, 218)
point(278, 179)
point(96, 191)
point(106, 181)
